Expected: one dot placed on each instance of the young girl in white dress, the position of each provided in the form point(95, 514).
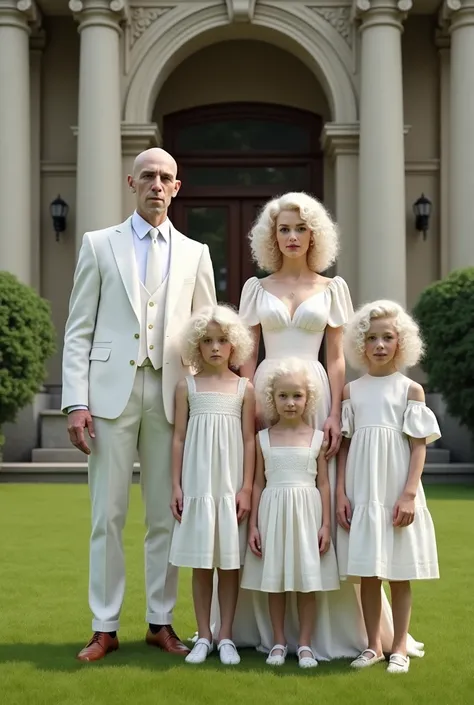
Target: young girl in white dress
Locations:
point(290, 522)
point(213, 467)
point(385, 530)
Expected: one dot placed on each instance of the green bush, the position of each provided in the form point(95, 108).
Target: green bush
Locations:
point(27, 340)
point(445, 313)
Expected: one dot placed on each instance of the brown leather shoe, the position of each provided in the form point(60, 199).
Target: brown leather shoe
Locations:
point(167, 640)
point(99, 646)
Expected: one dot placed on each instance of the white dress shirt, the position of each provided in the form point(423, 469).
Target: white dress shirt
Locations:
point(141, 243)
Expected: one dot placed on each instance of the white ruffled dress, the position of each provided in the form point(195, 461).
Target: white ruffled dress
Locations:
point(379, 420)
point(209, 535)
point(289, 520)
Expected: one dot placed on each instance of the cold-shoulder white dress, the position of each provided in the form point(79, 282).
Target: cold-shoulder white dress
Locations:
point(380, 420)
point(340, 630)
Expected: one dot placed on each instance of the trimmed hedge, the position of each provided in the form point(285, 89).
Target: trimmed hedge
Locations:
point(27, 340)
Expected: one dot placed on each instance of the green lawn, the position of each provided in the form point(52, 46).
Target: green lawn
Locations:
point(44, 620)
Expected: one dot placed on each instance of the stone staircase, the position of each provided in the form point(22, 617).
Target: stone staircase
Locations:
point(56, 462)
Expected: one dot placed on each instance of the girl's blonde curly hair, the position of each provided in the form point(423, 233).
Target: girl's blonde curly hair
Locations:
point(234, 329)
point(263, 241)
point(410, 344)
point(291, 367)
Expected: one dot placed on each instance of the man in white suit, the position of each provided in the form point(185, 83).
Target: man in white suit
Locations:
point(135, 285)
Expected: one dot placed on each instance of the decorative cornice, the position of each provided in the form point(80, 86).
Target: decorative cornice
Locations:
point(338, 139)
point(21, 13)
point(240, 10)
point(141, 18)
point(115, 10)
point(137, 137)
point(424, 167)
point(338, 17)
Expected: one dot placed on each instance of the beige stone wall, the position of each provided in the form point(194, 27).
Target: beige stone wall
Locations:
point(59, 94)
point(241, 70)
point(422, 149)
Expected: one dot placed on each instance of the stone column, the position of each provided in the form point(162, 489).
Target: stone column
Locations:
point(37, 45)
point(341, 146)
point(99, 158)
point(459, 17)
point(382, 218)
point(15, 137)
point(443, 44)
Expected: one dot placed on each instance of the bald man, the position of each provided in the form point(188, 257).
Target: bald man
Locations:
point(135, 286)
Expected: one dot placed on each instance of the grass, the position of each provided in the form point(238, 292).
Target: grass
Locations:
point(45, 620)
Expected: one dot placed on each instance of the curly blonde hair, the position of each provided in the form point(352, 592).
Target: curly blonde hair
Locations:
point(238, 333)
point(410, 344)
point(263, 242)
point(292, 366)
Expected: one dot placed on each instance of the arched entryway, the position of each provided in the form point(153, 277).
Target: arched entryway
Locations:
point(234, 157)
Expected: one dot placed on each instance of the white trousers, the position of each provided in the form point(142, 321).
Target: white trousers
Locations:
point(141, 426)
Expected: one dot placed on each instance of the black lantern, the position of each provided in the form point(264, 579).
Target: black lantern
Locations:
point(59, 210)
point(422, 211)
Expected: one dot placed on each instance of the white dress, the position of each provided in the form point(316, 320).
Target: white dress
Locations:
point(339, 631)
point(209, 535)
point(379, 419)
point(289, 519)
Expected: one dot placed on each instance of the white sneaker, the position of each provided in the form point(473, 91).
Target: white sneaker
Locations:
point(277, 659)
point(228, 652)
point(398, 664)
point(201, 650)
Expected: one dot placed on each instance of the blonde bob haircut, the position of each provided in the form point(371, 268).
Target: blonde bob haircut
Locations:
point(410, 344)
point(238, 334)
point(290, 367)
point(263, 242)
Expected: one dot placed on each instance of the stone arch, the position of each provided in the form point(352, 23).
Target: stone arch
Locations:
point(309, 37)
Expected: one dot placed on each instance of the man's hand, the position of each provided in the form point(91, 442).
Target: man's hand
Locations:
point(77, 421)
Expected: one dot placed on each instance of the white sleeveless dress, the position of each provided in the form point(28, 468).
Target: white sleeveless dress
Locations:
point(289, 519)
point(340, 630)
point(379, 420)
point(209, 535)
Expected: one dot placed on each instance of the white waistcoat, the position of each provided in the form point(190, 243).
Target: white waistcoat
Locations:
point(152, 325)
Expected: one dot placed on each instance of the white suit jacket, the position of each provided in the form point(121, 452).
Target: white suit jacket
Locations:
point(104, 317)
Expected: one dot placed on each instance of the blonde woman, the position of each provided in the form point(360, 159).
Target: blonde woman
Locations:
point(295, 307)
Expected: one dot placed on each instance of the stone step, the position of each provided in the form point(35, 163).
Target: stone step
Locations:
point(437, 455)
point(76, 472)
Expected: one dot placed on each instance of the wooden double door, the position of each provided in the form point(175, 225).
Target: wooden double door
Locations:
point(223, 224)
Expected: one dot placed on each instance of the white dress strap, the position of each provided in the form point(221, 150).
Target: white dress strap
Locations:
point(242, 387)
point(191, 382)
point(264, 438)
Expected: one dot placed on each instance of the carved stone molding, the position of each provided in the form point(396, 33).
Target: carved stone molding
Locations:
point(338, 139)
point(137, 137)
point(241, 10)
point(141, 18)
point(24, 13)
point(339, 18)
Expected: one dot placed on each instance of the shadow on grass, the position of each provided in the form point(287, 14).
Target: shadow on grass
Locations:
point(61, 658)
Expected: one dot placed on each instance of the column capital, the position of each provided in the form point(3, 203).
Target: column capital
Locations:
point(24, 14)
point(338, 138)
point(456, 13)
point(136, 137)
point(108, 13)
point(380, 12)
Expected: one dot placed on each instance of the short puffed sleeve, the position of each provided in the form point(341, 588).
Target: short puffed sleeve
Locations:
point(347, 419)
point(340, 309)
point(420, 422)
point(248, 302)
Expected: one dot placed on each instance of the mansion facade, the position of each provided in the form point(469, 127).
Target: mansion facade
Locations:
point(366, 104)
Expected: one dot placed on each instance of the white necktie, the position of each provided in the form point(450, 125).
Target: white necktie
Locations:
point(154, 275)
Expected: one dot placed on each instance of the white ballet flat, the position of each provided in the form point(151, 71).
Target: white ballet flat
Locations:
point(398, 664)
point(201, 650)
point(306, 661)
point(277, 659)
point(415, 652)
point(365, 661)
point(228, 653)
